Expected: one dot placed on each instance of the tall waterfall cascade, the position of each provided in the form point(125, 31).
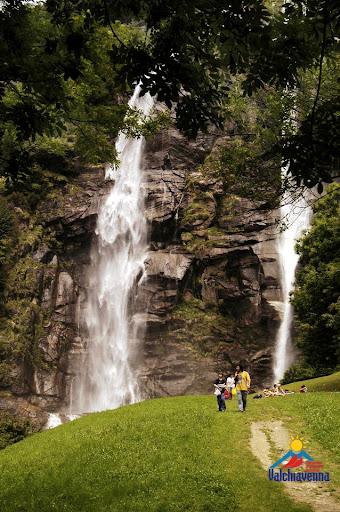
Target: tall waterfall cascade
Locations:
point(108, 379)
point(296, 214)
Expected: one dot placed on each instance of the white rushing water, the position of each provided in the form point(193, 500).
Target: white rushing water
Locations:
point(296, 214)
point(108, 379)
point(53, 421)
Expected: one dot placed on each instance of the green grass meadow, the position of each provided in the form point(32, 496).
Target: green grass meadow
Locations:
point(327, 383)
point(171, 454)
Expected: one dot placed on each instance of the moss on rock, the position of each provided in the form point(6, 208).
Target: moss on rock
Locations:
point(7, 240)
point(202, 326)
point(6, 377)
point(200, 211)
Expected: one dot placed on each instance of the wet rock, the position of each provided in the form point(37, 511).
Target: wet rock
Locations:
point(48, 383)
point(240, 215)
point(174, 369)
point(64, 289)
point(168, 265)
point(183, 154)
point(204, 183)
point(164, 194)
point(42, 254)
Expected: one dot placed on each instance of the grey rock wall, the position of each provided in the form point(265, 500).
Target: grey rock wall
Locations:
point(206, 305)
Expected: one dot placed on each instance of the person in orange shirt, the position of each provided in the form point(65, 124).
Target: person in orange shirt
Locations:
point(242, 383)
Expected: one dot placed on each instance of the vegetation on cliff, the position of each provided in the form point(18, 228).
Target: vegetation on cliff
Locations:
point(7, 237)
point(68, 66)
point(203, 326)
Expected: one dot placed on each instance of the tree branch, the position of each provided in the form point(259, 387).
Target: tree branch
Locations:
point(107, 14)
point(322, 54)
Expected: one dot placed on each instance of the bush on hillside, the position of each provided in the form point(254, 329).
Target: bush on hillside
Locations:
point(303, 371)
point(13, 429)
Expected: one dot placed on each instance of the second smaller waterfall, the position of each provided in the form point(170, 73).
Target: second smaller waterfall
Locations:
point(296, 214)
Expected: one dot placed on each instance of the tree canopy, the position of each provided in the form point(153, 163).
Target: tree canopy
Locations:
point(73, 63)
point(316, 297)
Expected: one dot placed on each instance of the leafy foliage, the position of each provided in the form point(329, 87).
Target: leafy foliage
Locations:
point(325, 383)
point(13, 429)
point(7, 233)
point(67, 67)
point(316, 298)
point(302, 371)
point(313, 153)
point(60, 97)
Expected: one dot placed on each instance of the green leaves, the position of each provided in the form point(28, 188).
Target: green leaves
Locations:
point(313, 154)
point(70, 60)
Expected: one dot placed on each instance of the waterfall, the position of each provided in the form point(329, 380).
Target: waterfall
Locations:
point(108, 379)
point(296, 213)
point(53, 421)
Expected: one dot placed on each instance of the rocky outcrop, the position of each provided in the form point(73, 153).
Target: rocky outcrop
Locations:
point(209, 298)
point(218, 248)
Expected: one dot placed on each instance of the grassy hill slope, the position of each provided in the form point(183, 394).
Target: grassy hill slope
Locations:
point(174, 454)
point(327, 383)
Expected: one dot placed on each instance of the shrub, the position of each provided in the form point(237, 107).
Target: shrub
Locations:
point(303, 371)
point(5, 375)
point(13, 429)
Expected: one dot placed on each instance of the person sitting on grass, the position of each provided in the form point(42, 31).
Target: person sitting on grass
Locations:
point(277, 390)
point(267, 392)
point(242, 382)
point(281, 391)
point(303, 389)
point(220, 385)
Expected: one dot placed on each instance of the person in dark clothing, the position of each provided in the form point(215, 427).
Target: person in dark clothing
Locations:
point(220, 386)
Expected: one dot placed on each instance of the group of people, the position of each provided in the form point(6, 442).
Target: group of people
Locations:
point(225, 386)
point(238, 383)
point(277, 390)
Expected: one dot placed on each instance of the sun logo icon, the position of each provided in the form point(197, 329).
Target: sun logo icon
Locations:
point(295, 457)
point(296, 444)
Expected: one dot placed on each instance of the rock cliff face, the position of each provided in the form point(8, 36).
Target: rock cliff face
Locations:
point(212, 279)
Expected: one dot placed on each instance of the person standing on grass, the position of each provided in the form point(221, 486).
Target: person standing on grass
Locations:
point(220, 386)
point(230, 385)
point(242, 383)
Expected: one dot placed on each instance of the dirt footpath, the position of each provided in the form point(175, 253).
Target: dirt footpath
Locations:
point(267, 434)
